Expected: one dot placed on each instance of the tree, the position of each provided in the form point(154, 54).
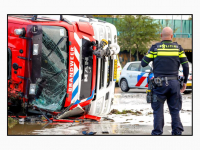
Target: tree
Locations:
point(136, 33)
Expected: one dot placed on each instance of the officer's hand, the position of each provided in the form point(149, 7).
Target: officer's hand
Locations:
point(183, 88)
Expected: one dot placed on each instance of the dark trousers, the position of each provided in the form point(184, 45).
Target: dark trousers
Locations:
point(171, 93)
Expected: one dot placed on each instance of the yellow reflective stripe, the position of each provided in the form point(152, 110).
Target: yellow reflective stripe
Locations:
point(184, 62)
point(181, 52)
point(145, 61)
point(182, 55)
point(160, 53)
point(168, 49)
point(149, 55)
point(153, 52)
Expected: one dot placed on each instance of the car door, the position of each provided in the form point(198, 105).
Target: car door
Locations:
point(143, 77)
point(132, 73)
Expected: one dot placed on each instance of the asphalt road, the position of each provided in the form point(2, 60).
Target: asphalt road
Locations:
point(118, 90)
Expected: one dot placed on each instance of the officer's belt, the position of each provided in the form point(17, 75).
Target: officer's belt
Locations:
point(168, 78)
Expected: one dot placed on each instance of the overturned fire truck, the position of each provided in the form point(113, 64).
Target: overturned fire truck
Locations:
point(61, 67)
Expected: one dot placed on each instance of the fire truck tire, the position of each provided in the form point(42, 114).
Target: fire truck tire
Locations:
point(124, 85)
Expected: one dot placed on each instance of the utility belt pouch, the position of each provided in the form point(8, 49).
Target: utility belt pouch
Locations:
point(150, 88)
point(158, 81)
point(149, 91)
point(149, 98)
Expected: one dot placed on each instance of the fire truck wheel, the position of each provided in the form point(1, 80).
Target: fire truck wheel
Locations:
point(124, 85)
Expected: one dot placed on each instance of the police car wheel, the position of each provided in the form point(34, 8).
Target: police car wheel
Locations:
point(124, 85)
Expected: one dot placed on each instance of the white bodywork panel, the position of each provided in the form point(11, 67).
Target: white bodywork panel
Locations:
point(100, 106)
point(107, 31)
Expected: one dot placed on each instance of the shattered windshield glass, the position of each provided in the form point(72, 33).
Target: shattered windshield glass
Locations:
point(53, 69)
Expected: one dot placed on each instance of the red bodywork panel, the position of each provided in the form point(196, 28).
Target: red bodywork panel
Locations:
point(16, 44)
point(82, 29)
point(85, 27)
point(90, 37)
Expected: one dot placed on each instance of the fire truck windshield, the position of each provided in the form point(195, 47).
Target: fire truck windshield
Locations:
point(53, 69)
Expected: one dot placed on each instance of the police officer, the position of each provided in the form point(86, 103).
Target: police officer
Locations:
point(167, 57)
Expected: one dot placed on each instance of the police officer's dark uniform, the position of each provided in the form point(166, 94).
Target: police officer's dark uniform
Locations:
point(167, 57)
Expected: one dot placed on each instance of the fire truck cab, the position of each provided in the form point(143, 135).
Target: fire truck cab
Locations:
point(106, 69)
point(52, 64)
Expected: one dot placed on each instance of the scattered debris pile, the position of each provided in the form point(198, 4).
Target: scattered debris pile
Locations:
point(115, 111)
point(12, 122)
point(149, 113)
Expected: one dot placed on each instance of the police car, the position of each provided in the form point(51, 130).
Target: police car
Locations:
point(134, 75)
point(189, 81)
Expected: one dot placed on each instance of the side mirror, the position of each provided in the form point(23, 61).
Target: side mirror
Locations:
point(147, 71)
point(120, 59)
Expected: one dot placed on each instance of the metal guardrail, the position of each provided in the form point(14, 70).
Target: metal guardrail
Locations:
point(185, 26)
point(176, 35)
point(182, 35)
